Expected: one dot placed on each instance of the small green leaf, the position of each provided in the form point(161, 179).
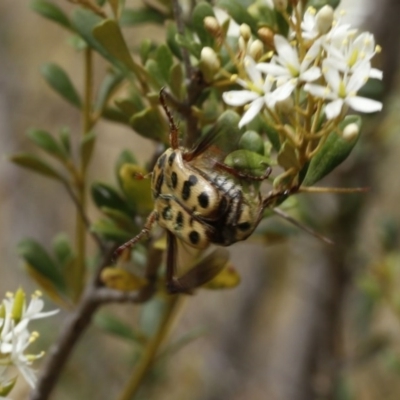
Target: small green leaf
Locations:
point(261, 126)
point(146, 15)
point(126, 106)
point(189, 43)
point(44, 140)
point(38, 259)
point(121, 218)
point(334, 151)
point(86, 148)
point(6, 385)
point(58, 79)
point(108, 230)
point(114, 114)
point(156, 77)
point(63, 250)
point(51, 11)
point(252, 141)
point(107, 88)
point(109, 35)
point(176, 81)
point(171, 39)
point(110, 324)
point(201, 11)
point(126, 157)
point(106, 196)
point(65, 139)
point(238, 13)
point(36, 164)
point(248, 161)
point(148, 124)
point(164, 60)
point(287, 157)
point(146, 48)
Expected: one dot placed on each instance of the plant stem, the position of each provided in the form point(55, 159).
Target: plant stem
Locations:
point(79, 272)
point(151, 350)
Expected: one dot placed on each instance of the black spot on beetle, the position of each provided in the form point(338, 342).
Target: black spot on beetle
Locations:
point(187, 186)
point(159, 182)
point(203, 199)
point(244, 226)
point(161, 161)
point(166, 213)
point(171, 158)
point(174, 179)
point(179, 219)
point(194, 237)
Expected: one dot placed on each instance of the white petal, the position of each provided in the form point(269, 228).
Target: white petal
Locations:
point(273, 69)
point(280, 93)
point(254, 109)
point(252, 72)
point(363, 104)
point(311, 75)
point(376, 73)
point(333, 78)
point(317, 90)
point(287, 54)
point(311, 54)
point(239, 97)
point(332, 109)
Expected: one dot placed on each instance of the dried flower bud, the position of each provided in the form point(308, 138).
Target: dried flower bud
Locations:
point(212, 26)
point(280, 5)
point(256, 50)
point(324, 19)
point(245, 32)
point(209, 63)
point(267, 36)
point(350, 132)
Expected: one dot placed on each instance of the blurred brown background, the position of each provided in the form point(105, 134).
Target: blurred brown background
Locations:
point(293, 329)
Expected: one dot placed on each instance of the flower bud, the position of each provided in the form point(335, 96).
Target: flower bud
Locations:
point(209, 63)
point(18, 305)
point(280, 5)
point(267, 36)
point(256, 49)
point(245, 32)
point(350, 132)
point(324, 19)
point(212, 26)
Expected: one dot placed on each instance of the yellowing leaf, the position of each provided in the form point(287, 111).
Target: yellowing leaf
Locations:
point(120, 279)
point(226, 279)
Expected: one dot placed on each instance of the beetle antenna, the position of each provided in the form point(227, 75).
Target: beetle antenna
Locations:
point(173, 129)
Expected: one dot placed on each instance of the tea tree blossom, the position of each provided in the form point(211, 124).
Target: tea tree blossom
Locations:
point(15, 338)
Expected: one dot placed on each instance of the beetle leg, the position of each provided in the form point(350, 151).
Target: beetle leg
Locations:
point(243, 175)
point(173, 129)
point(274, 199)
point(145, 231)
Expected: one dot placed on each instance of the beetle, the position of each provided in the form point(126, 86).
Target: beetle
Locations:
point(199, 204)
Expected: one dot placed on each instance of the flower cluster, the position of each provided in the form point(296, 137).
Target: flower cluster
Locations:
point(324, 58)
point(15, 337)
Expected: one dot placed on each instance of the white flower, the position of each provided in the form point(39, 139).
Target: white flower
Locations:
point(14, 334)
point(343, 90)
point(287, 68)
point(348, 53)
point(258, 93)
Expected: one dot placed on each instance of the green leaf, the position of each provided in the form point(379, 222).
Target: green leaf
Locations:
point(114, 114)
point(164, 60)
point(188, 43)
point(156, 78)
point(252, 141)
point(247, 161)
point(126, 157)
point(6, 385)
point(201, 11)
point(121, 218)
point(85, 21)
point(58, 79)
point(260, 125)
point(238, 13)
point(108, 230)
point(334, 151)
point(45, 141)
point(38, 259)
point(65, 139)
point(86, 148)
point(51, 11)
point(106, 196)
point(109, 35)
point(176, 81)
point(107, 88)
point(171, 39)
point(110, 324)
point(148, 124)
point(63, 250)
point(146, 48)
point(35, 164)
point(126, 106)
point(134, 17)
